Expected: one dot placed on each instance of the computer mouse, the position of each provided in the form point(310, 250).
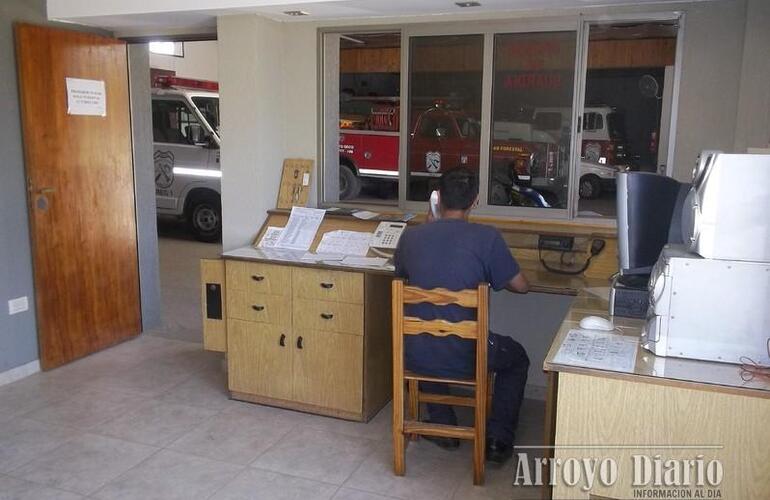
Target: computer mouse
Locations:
point(596, 323)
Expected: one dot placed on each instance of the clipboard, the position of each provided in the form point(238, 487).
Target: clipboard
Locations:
point(295, 183)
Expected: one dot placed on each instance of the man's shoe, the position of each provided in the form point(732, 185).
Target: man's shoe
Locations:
point(498, 452)
point(442, 442)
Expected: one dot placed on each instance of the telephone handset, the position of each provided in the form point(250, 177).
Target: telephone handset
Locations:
point(434, 205)
point(387, 234)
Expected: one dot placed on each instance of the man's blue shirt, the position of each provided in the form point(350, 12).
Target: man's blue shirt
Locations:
point(456, 255)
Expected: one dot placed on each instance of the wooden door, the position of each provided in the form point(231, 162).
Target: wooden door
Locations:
point(259, 359)
point(81, 194)
point(328, 370)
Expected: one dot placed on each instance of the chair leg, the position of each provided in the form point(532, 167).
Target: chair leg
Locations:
point(413, 398)
point(399, 456)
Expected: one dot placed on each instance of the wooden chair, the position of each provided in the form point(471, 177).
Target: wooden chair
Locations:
point(480, 401)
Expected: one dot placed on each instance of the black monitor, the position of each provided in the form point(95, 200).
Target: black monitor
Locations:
point(649, 217)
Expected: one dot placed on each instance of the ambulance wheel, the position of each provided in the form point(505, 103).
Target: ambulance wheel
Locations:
point(205, 218)
point(590, 187)
point(350, 184)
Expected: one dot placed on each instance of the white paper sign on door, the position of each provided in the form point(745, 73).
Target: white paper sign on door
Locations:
point(86, 97)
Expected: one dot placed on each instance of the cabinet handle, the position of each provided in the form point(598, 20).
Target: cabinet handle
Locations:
point(282, 341)
point(299, 342)
point(258, 308)
point(257, 278)
point(327, 285)
point(327, 315)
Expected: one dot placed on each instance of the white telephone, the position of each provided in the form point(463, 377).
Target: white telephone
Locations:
point(387, 234)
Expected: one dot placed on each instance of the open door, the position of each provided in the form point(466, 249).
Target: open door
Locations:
point(81, 191)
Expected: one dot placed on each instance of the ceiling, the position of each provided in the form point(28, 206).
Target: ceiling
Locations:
point(173, 17)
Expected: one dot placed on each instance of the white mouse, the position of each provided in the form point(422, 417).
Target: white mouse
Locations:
point(596, 323)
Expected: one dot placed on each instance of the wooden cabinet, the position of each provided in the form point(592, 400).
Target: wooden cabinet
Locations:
point(312, 339)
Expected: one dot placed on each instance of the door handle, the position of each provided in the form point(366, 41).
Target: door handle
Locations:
point(299, 342)
point(46, 190)
point(327, 315)
point(257, 278)
point(282, 340)
point(258, 308)
point(327, 285)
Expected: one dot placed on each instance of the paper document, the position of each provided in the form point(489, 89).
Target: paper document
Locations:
point(86, 97)
point(608, 351)
point(301, 228)
point(364, 261)
point(365, 214)
point(322, 257)
point(270, 238)
point(345, 242)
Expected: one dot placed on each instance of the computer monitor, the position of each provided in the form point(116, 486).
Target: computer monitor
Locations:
point(649, 216)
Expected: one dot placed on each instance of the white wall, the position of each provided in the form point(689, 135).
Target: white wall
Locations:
point(268, 108)
point(199, 61)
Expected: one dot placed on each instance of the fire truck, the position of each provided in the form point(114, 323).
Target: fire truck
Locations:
point(185, 126)
point(441, 138)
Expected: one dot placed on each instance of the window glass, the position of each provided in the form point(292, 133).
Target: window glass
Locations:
point(445, 74)
point(531, 118)
point(173, 122)
point(369, 117)
point(627, 108)
point(209, 108)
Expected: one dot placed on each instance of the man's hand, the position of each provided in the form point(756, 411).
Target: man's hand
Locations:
point(518, 284)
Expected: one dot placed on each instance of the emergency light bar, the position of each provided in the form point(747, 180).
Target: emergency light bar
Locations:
point(167, 81)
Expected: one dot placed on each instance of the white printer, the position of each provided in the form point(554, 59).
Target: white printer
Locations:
point(709, 309)
point(710, 298)
point(726, 213)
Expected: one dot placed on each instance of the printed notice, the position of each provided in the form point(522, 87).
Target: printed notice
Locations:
point(86, 97)
point(607, 351)
point(345, 243)
point(301, 228)
point(270, 238)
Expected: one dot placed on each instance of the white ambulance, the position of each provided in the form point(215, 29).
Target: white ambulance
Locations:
point(185, 123)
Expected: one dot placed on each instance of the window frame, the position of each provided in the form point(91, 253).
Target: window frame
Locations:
point(578, 23)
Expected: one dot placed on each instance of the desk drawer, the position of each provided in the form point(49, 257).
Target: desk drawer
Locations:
point(328, 316)
point(256, 277)
point(259, 307)
point(322, 284)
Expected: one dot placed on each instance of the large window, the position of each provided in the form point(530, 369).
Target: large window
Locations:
point(547, 114)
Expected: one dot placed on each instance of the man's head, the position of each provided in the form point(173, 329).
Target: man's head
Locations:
point(458, 190)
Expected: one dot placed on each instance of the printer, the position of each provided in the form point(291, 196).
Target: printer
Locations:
point(709, 297)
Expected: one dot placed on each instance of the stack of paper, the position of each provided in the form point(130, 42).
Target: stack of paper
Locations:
point(344, 243)
point(299, 232)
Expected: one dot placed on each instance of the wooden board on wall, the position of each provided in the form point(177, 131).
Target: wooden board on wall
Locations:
point(295, 183)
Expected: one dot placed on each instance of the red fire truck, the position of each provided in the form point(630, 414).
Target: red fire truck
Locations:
point(440, 139)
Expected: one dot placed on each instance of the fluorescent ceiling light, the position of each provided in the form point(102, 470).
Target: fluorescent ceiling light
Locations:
point(296, 13)
point(468, 4)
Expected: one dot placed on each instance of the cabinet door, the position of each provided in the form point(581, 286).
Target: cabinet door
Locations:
point(259, 359)
point(328, 369)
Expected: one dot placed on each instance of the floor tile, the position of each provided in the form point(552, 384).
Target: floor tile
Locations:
point(18, 489)
point(168, 475)
point(32, 393)
point(316, 454)
point(256, 484)
point(154, 422)
point(350, 494)
point(431, 473)
point(23, 440)
point(498, 485)
point(205, 389)
point(378, 428)
point(84, 464)
point(88, 408)
point(149, 378)
point(237, 436)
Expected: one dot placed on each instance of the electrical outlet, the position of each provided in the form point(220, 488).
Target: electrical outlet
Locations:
point(17, 305)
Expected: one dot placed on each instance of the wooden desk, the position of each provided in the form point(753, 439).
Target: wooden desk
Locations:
point(317, 337)
point(667, 402)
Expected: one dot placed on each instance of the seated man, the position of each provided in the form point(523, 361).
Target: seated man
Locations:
point(450, 252)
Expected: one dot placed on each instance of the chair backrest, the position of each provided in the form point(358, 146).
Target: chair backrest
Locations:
point(408, 325)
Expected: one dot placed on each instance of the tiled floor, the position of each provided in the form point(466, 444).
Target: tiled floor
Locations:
point(151, 419)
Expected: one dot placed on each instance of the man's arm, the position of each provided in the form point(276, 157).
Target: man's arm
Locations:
point(518, 284)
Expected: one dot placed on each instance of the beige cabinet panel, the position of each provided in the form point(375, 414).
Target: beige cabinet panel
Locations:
point(256, 277)
point(257, 363)
point(323, 284)
point(259, 307)
point(329, 316)
point(328, 369)
point(214, 329)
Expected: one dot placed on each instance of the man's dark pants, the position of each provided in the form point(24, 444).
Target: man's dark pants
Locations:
point(508, 359)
